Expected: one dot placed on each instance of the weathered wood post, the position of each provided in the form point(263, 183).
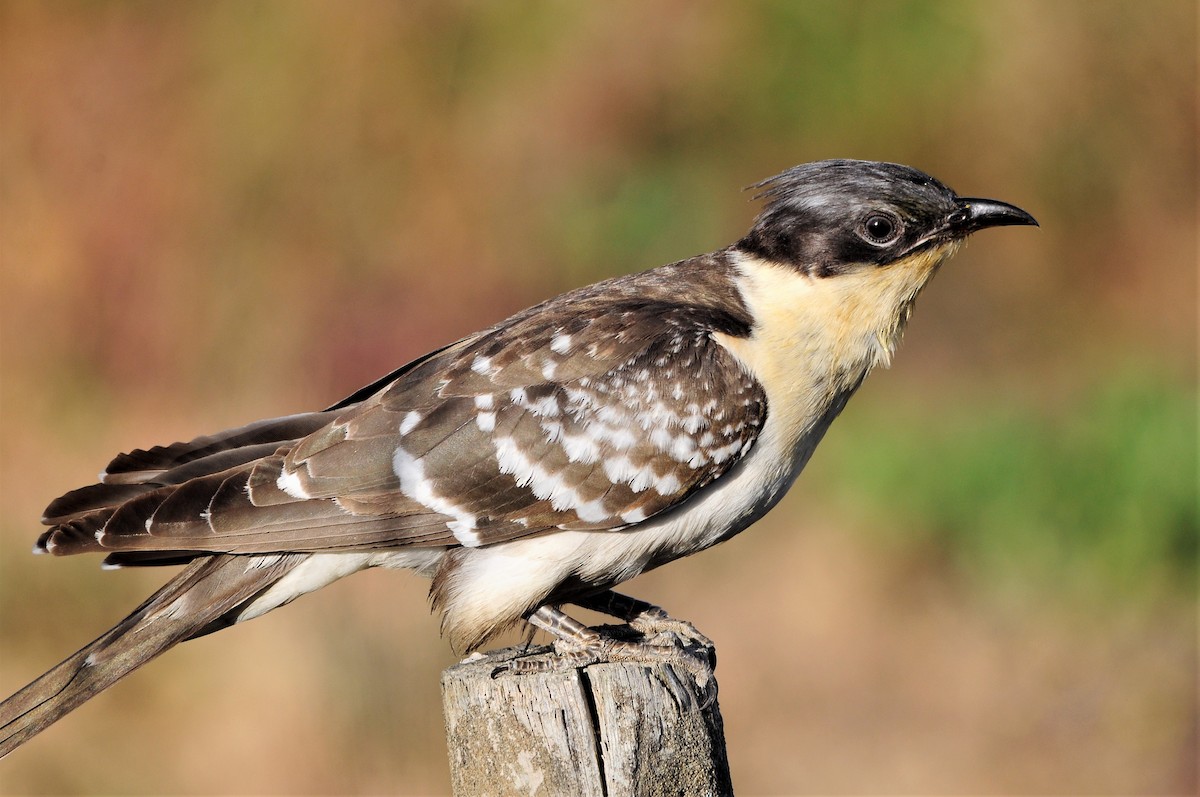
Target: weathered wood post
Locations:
point(612, 729)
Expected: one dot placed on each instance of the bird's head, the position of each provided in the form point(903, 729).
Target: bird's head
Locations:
point(840, 216)
point(843, 247)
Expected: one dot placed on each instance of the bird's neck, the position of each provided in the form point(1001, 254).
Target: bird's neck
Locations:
point(816, 338)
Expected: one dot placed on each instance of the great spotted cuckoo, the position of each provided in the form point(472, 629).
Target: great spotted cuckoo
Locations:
point(539, 462)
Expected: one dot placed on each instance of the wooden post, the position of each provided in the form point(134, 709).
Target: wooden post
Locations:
point(612, 729)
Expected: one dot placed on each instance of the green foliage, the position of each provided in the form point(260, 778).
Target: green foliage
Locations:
point(1098, 495)
point(651, 216)
point(857, 62)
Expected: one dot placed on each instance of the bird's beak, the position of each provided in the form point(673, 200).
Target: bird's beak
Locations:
point(976, 214)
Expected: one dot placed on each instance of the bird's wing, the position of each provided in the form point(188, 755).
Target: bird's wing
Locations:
point(571, 419)
point(555, 420)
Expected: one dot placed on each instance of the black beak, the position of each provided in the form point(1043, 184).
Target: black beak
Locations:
point(977, 214)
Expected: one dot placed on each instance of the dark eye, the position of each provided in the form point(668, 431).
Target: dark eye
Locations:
point(880, 229)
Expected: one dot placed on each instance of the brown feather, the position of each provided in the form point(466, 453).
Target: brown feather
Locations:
point(145, 464)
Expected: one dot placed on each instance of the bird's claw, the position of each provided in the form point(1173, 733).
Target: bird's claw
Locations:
point(666, 646)
point(654, 622)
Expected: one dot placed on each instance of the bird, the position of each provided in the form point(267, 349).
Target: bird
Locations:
point(542, 461)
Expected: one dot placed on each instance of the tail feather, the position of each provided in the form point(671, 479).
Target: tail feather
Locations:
point(142, 465)
point(109, 495)
point(192, 603)
point(90, 499)
point(76, 536)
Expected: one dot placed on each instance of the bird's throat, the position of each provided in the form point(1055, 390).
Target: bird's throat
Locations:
point(816, 338)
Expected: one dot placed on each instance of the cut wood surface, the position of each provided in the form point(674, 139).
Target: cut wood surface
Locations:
point(607, 729)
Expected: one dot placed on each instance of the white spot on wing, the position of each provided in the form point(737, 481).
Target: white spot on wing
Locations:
point(682, 447)
point(410, 422)
point(289, 482)
point(592, 511)
point(634, 515)
point(561, 343)
point(544, 484)
point(580, 448)
point(668, 484)
point(417, 486)
point(723, 453)
point(661, 438)
point(620, 470)
point(545, 406)
point(620, 438)
point(463, 531)
point(644, 480)
point(483, 365)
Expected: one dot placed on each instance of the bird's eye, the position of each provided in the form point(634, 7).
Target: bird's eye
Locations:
point(880, 229)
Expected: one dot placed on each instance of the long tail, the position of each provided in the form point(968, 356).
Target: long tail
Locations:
point(198, 600)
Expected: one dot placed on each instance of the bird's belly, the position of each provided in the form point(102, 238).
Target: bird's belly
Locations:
point(497, 584)
point(727, 508)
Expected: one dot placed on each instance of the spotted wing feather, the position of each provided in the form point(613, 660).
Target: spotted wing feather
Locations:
point(595, 411)
point(545, 424)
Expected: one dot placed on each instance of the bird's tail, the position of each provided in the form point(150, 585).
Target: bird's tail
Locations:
point(199, 599)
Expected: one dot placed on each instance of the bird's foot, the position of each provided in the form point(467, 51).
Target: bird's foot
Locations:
point(647, 619)
point(678, 650)
point(654, 622)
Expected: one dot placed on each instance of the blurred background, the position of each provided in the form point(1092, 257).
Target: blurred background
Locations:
point(985, 582)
